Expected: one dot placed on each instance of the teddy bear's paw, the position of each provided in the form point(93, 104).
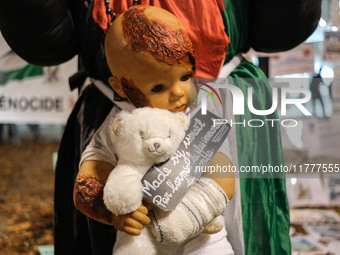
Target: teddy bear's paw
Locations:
point(122, 197)
point(119, 202)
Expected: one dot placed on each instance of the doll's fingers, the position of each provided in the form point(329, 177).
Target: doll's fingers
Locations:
point(132, 231)
point(143, 209)
point(140, 217)
point(130, 222)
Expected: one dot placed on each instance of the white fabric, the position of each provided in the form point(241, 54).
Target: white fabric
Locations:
point(229, 148)
point(204, 244)
point(204, 200)
point(230, 66)
point(234, 211)
point(101, 145)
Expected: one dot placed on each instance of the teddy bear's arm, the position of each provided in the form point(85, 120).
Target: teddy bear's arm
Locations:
point(88, 198)
point(123, 190)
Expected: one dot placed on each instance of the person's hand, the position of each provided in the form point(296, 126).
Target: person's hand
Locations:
point(133, 222)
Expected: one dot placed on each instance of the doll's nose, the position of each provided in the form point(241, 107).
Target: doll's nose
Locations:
point(176, 93)
point(156, 145)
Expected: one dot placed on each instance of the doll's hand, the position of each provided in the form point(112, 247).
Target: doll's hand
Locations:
point(133, 222)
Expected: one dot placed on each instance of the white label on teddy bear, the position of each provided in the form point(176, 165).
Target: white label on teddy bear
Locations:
point(166, 184)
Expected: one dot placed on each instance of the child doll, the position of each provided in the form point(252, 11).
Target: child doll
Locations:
point(152, 60)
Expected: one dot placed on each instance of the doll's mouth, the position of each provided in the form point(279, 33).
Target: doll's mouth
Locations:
point(179, 109)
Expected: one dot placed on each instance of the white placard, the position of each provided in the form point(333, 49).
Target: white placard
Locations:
point(335, 87)
point(304, 136)
point(329, 136)
point(43, 99)
point(306, 191)
point(331, 46)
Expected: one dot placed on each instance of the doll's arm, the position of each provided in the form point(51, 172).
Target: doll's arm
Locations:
point(41, 32)
point(226, 180)
point(88, 198)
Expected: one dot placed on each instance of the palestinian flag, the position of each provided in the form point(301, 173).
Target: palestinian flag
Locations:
point(21, 73)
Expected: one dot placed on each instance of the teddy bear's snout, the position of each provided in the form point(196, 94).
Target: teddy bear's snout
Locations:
point(156, 145)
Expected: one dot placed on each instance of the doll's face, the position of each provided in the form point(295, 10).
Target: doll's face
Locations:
point(152, 63)
point(155, 84)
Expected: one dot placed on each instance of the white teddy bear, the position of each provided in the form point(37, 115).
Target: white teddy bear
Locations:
point(142, 138)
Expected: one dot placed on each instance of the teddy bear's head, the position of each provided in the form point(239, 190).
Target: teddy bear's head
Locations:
point(148, 135)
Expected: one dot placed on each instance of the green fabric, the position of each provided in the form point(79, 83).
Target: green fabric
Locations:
point(235, 18)
point(265, 211)
point(20, 74)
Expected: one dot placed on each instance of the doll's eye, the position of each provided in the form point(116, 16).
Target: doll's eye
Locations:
point(157, 88)
point(185, 77)
point(141, 133)
point(169, 136)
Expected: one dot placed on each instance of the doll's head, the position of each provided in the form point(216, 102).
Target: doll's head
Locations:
point(151, 58)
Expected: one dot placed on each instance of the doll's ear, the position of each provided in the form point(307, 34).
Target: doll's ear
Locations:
point(117, 86)
point(116, 125)
point(184, 119)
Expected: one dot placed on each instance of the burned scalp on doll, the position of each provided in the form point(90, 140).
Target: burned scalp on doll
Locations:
point(162, 41)
point(88, 196)
point(136, 97)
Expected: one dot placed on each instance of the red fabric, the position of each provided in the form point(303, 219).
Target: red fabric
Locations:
point(202, 20)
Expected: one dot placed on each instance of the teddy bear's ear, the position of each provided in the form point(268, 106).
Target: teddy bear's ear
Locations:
point(184, 119)
point(116, 125)
point(120, 117)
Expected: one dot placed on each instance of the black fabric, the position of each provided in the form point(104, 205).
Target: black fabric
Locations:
point(91, 45)
point(73, 229)
point(276, 25)
point(52, 32)
point(77, 80)
point(41, 32)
